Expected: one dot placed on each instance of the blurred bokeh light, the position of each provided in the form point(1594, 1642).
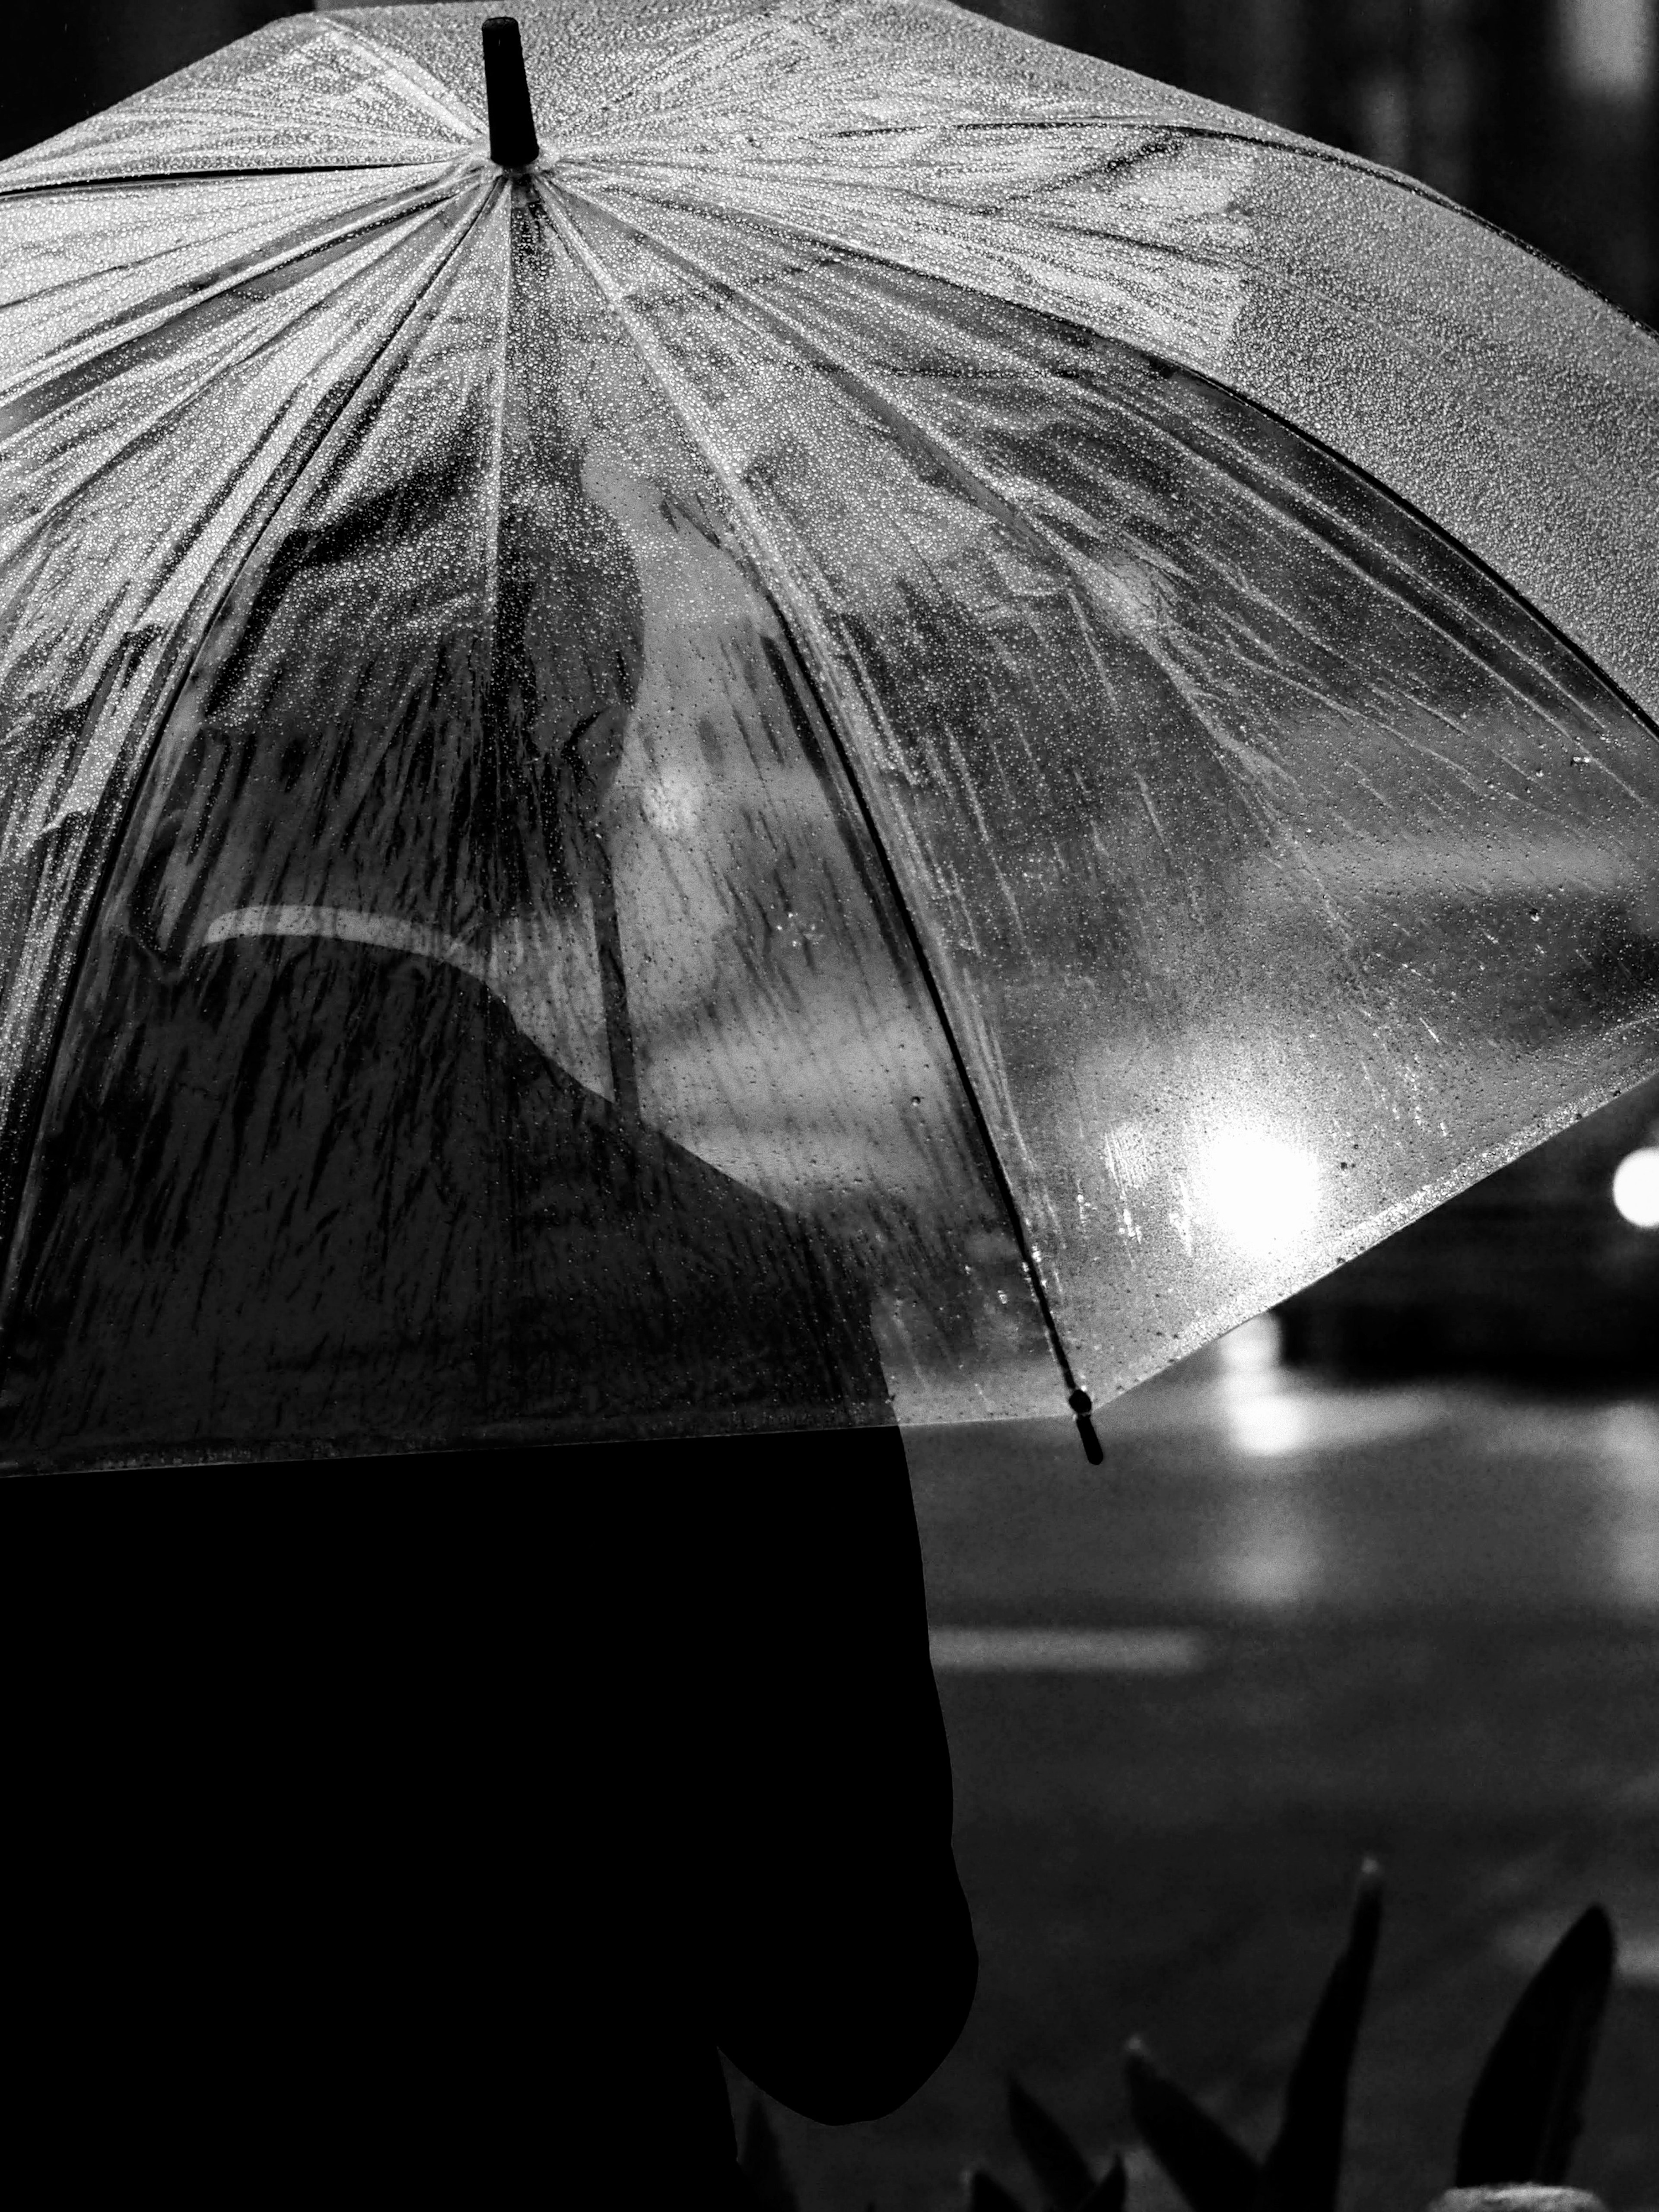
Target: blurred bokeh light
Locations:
point(1636, 1188)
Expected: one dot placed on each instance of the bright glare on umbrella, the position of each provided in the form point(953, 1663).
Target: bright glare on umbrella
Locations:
point(898, 728)
point(1260, 1192)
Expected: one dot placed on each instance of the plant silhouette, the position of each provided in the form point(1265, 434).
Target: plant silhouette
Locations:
point(1523, 2118)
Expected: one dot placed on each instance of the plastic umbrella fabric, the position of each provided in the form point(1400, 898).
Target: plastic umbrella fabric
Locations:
point(890, 725)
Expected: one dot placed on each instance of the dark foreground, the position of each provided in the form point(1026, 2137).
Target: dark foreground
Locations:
point(1422, 1623)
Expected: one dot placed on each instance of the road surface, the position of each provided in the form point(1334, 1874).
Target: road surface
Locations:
point(1285, 1626)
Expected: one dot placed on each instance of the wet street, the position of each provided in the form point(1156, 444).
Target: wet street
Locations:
point(1234, 1489)
point(1286, 1624)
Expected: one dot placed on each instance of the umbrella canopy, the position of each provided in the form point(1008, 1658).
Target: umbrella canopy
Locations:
point(883, 721)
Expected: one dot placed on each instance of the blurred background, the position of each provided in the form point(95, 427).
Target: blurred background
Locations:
point(1380, 1572)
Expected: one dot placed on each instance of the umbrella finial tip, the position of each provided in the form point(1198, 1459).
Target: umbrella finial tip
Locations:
point(512, 122)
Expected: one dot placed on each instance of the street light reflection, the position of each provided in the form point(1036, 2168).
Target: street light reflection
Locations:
point(1265, 1417)
point(1628, 1464)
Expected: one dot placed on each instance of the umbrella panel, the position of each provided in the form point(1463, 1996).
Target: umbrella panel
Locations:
point(1274, 869)
point(1279, 868)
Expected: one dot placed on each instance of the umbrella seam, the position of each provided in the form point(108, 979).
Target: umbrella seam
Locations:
point(139, 180)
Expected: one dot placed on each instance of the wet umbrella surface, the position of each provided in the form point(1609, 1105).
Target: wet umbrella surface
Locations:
point(886, 726)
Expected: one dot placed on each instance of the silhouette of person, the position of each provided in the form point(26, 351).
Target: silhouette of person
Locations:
point(441, 1815)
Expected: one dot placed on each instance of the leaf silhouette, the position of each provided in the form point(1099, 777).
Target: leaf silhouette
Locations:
point(986, 2194)
point(1526, 2110)
point(1212, 2171)
point(762, 2166)
point(1109, 2192)
point(1061, 2170)
point(1302, 2171)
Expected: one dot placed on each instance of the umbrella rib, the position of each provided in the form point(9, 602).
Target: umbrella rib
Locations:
point(1077, 1398)
point(142, 180)
point(799, 630)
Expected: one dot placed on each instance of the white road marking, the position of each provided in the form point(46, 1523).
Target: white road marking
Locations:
point(1067, 1651)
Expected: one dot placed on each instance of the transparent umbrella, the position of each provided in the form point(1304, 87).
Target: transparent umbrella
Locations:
point(822, 716)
